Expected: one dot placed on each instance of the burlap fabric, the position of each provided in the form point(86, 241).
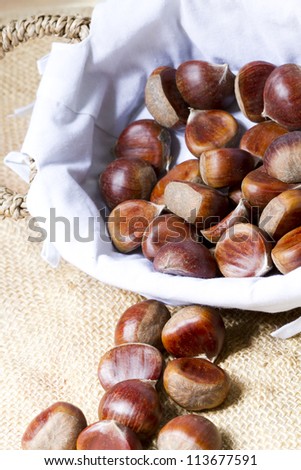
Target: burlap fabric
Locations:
point(56, 323)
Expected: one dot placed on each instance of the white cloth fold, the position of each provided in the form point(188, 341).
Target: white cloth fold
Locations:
point(91, 90)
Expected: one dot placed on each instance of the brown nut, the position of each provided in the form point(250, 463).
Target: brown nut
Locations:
point(163, 99)
point(196, 203)
point(186, 258)
point(55, 428)
point(286, 254)
point(133, 403)
point(189, 432)
point(129, 361)
point(204, 85)
point(282, 159)
point(225, 167)
point(282, 214)
point(107, 435)
point(125, 179)
point(209, 129)
point(257, 139)
point(195, 384)
point(249, 85)
point(194, 330)
point(142, 323)
point(128, 221)
point(244, 251)
point(188, 170)
point(145, 139)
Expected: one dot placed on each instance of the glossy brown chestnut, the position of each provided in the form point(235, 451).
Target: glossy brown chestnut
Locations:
point(128, 221)
point(194, 330)
point(244, 251)
point(225, 167)
point(163, 99)
point(204, 85)
point(129, 361)
point(189, 170)
point(282, 96)
point(196, 203)
point(166, 228)
point(107, 435)
point(186, 258)
point(195, 384)
point(133, 403)
point(282, 214)
point(257, 139)
point(206, 130)
point(189, 432)
point(145, 139)
point(282, 159)
point(55, 428)
point(249, 85)
point(235, 194)
point(142, 323)
point(286, 254)
point(125, 179)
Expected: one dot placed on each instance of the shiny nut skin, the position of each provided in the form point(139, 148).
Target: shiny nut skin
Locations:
point(145, 139)
point(189, 432)
point(125, 179)
point(186, 258)
point(257, 139)
point(129, 361)
point(286, 254)
point(194, 331)
point(142, 323)
point(107, 435)
point(195, 383)
point(282, 159)
point(55, 428)
point(133, 403)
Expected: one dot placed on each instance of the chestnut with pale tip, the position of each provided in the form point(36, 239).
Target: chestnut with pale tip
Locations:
point(129, 361)
point(108, 435)
point(282, 159)
point(286, 254)
point(142, 323)
point(209, 129)
point(55, 428)
point(195, 383)
point(194, 330)
point(134, 403)
point(244, 250)
point(189, 432)
point(257, 139)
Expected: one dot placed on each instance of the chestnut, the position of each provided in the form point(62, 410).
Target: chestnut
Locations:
point(193, 331)
point(189, 432)
point(282, 214)
point(257, 139)
point(55, 428)
point(244, 251)
point(145, 139)
point(142, 323)
point(205, 85)
point(128, 221)
point(188, 170)
point(282, 159)
point(209, 129)
point(163, 99)
point(249, 84)
point(186, 258)
point(133, 403)
point(286, 254)
point(125, 179)
point(108, 435)
point(195, 383)
point(282, 96)
point(225, 167)
point(129, 361)
point(164, 229)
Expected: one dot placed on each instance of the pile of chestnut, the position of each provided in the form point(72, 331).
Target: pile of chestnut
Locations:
point(233, 208)
point(156, 355)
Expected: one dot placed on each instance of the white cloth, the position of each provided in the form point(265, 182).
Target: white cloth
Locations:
point(91, 90)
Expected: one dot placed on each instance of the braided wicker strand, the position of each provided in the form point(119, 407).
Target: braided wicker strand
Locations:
point(72, 28)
